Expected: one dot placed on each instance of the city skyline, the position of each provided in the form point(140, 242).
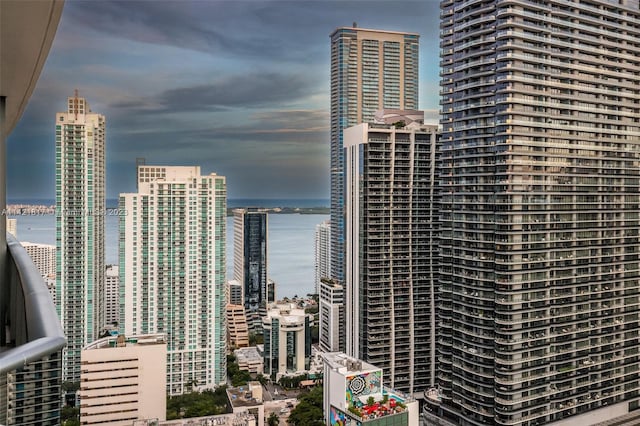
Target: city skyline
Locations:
point(184, 83)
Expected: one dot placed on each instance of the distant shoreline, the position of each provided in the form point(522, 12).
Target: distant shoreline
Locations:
point(41, 209)
point(286, 210)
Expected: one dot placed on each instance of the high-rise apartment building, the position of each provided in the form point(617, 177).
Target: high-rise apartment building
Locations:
point(112, 295)
point(391, 250)
point(172, 268)
point(43, 256)
point(250, 256)
point(540, 212)
point(370, 70)
point(80, 202)
point(322, 253)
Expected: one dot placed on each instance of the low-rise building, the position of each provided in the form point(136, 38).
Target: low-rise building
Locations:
point(354, 394)
point(250, 359)
point(287, 340)
point(237, 329)
point(123, 379)
point(247, 399)
point(234, 293)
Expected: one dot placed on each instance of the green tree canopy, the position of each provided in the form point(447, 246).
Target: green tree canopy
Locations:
point(308, 412)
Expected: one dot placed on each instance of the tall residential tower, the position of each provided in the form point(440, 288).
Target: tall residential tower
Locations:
point(172, 270)
point(370, 70)
point(322, 254)
point(392, 265)
point(540, 211)
point(80, 203)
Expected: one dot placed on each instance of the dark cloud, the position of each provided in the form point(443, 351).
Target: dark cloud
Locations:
point(249, 28)
point(247, 91)
point(238, 87)
point(171, 23)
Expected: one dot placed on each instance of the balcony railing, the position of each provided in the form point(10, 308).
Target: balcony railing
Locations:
point(31, 329)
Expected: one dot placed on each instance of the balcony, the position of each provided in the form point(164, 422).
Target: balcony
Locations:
point(31, 330)
point(31, 338)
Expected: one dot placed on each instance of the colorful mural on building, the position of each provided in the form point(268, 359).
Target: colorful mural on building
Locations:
point(363, 384)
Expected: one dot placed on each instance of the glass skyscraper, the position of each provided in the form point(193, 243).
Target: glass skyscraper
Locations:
point(370, 70)
point(80, 203)
point(250, 256)
point(540, 212)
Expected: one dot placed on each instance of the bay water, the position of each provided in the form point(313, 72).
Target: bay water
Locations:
point(291, 242)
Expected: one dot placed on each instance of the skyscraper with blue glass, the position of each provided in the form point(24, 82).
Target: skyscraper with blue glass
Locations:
point(370, 70)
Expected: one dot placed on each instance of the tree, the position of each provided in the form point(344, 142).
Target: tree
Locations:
point(70, 416)
point(197, 404)
point(308, 412)
point(255, 339)
point(273, 419)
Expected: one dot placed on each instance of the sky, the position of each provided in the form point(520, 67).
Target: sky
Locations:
point(240, 88)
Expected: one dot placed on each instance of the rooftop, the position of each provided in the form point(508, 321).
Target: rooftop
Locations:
point(344, 364)
point(122, 341)
point(245, 396)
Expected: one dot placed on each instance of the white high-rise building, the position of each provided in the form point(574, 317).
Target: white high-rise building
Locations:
point(80, 203)
point(43, 256)
point(112, 295)
point(172, 267)
point(331, 316)
point(322, 253)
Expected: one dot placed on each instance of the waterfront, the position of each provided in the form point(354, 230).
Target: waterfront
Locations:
point(290, 250)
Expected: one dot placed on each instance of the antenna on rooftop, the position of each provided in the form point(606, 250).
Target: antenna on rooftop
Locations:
point(355, 24)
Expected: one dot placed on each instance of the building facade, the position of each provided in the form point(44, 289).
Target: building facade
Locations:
point(43, 256)
point(234, 293)
point(112, 295)
point(124, 380)
point(391, 250)
point(331, 316)
point(350, 385)
point(250, 256)
point(237, 330)
point(370, 70)
point(80, 203)
point(12, 227)
point(540, 225)
point(287, 340)
point(322, 253)
point(172, 268)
